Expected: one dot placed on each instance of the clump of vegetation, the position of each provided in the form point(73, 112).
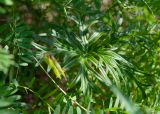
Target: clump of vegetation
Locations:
point(79, 57)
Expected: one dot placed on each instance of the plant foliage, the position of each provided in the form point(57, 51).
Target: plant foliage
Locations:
point(79, 57)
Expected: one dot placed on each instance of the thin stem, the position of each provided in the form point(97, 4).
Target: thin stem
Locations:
point(60, 87)
point(50, 77)
point(149, 8)
point(26, 88)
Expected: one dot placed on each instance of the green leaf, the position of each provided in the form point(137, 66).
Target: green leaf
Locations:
point(2, 11)
point(7, 2)
point(70, 111)
point(5, 102)
point(64, 110)
point(78, 110)
point(8, 111)
point(55, 66)
point(58, 109)
point(6, 60)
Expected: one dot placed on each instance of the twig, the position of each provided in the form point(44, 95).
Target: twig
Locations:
point(59, 86)
point(26, 88)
